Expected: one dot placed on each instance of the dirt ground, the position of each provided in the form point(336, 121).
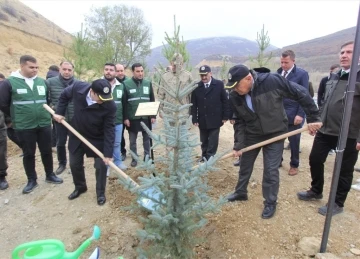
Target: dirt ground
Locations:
point(237, 232)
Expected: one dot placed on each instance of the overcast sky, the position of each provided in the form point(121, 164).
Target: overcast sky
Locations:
point(287, 22)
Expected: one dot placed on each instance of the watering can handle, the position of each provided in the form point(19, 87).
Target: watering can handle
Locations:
point(59, 245)
point(91, 146)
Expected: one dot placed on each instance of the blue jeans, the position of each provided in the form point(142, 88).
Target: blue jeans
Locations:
point(117, 144)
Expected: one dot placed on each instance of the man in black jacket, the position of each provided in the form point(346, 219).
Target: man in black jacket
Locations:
point(320, 96)
point(257, 103)
point(94, 119)
point(326, 138)
point(55, 86)
point(210, 110)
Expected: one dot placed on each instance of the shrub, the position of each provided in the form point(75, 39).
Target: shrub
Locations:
point(23, 18)
point(4, 17)
point(10, 10)
point(58, 41)
point(36, 14)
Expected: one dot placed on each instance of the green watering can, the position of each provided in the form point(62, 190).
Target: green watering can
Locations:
point(52, 248)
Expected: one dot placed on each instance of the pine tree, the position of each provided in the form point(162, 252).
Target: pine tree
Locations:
point(183, 202)
point(263, 41)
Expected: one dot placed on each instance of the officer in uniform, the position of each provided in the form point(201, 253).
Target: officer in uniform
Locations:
point(94, 119)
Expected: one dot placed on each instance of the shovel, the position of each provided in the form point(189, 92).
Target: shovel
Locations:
point(147, 203)
point(265, 142)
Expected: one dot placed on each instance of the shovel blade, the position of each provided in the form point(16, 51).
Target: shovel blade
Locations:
point(151, 202)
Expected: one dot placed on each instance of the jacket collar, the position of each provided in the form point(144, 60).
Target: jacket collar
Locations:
point(280, 70)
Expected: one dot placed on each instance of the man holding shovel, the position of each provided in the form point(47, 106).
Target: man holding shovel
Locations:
point(94, 119)
point(257, 103)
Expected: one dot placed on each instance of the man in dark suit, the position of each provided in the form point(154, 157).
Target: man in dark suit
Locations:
point(294, 112)
point(94, 119)
point(210, 110)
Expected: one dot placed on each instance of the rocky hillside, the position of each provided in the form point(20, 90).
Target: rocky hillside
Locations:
point(24, 31)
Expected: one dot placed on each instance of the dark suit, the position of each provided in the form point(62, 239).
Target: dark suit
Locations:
point(210, 107)
point(293, 109)
point(96, 123)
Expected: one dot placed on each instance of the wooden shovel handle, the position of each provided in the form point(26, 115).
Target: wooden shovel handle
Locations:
point(271, 140)
point(91, 146)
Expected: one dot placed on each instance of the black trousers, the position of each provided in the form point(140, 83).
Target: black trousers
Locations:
point(123, 149)
point(271, 159)
point(3, 153)
point(319, 152)
point(78, 172)
point(209, 142)
point(13, 137)
point(294, 146)
point(61, 138)
point(53, 134)
point(28, 140)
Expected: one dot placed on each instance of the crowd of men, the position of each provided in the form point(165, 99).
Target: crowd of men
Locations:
point(258, 103)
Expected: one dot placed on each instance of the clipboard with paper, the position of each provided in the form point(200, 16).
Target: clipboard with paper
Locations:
point(148, 109)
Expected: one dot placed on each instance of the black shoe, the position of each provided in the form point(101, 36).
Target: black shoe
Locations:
point(237, 197)
point(60, 169)
point(3, 183)
point(309, 195)
point(101, 200)
point(268, 212)
point(31, 185)
point(133, 163)
point(237, 162)
point(201, 160)
point(76, 193)
point(52, 178)
point(123, 156)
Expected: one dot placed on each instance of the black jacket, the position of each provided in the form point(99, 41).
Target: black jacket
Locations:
point(269, 117)
point(321, 90)
point(210, 106)
point(96, 122)
point(332, 109)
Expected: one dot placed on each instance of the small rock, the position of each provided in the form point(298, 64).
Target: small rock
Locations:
point(309, 245)
point(352, 245)
point(253, 185)
point(6, 202)
point(355, 251)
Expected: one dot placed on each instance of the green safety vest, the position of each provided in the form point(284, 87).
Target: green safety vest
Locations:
point(117, 95)
point(26, 108)
point(135, 95)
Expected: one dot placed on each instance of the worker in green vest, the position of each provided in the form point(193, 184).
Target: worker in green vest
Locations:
point(22, 96)
point(137, 90)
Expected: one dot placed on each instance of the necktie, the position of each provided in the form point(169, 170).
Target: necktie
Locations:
point(285, 73)
point(206, 85)
point(343, 73)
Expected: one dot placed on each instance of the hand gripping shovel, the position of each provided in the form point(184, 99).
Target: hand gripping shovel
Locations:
point(263, 143)
point(147, 203)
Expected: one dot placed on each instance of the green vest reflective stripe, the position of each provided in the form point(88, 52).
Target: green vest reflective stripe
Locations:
point(26, 108)
point(118, 93)
point(136, 94)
